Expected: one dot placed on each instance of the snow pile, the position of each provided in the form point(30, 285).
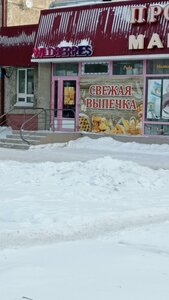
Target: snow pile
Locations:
point(93, 229)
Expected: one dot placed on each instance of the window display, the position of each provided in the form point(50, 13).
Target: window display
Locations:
point(111, 105)
point(157, 99)
point(154, 98)
point(165, 99)
point(128, 67)
point(95, 68)
point(65, 69)
point(159, 66)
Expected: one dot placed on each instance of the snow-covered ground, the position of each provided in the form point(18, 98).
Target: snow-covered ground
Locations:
point(85, 220)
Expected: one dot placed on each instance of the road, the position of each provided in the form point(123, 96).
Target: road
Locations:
point(59, 154)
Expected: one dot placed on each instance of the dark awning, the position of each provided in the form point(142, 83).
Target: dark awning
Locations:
point(16, 45)
point(106, 27)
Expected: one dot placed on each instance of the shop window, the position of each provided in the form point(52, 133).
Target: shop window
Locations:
point(157, 106)
point(159, 66)
point(66, 69)
point(128, 67)
point(25, 86)
point(155, 129)
point(95, 68)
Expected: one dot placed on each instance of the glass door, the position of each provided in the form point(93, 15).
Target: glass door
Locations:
point(65, 103)
point(69, 99)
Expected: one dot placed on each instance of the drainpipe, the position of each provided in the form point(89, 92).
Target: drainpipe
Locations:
point(2, 93)
point(4, 13)
point(4, 23)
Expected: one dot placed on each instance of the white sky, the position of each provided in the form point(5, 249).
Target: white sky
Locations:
point(88, 219)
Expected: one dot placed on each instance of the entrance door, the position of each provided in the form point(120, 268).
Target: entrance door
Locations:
point(65, 103)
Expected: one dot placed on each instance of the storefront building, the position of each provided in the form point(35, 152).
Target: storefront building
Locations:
point(103, 68)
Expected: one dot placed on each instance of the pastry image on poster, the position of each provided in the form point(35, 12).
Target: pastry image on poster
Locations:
point(111, 106)
point(132, 126)
point(84, 122)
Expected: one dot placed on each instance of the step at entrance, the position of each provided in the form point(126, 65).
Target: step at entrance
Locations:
point(13, 139)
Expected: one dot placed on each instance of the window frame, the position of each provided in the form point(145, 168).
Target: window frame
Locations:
point(24, 95)
point(161, 117)
point(161, 64)
point(129, 67)
point(95, 63)
point(65, 71)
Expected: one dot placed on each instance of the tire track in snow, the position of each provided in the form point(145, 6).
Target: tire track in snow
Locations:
point(99, 228)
